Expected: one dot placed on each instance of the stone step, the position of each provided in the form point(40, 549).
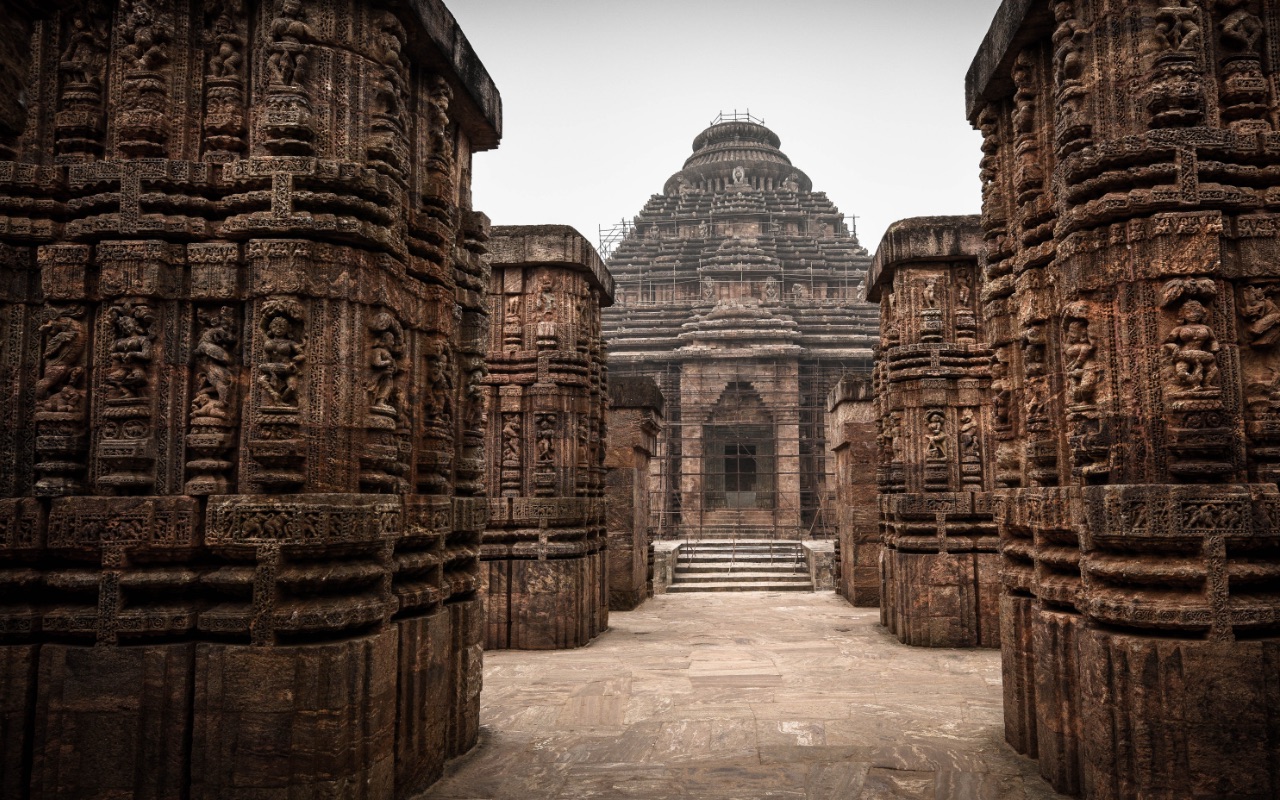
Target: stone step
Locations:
point(747, 564)
point(763, 553)
point(735, 586)
point(739, 575)
point(750, 558)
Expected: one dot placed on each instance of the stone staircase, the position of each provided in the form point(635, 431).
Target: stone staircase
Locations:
point(749, 563)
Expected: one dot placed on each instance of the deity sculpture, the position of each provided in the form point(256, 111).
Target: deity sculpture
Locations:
point(1193, 348)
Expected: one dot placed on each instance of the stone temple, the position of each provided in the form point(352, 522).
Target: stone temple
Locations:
point(737, 292)
point(290, 434)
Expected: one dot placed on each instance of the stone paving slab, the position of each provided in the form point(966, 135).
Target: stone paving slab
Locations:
point(743, 696)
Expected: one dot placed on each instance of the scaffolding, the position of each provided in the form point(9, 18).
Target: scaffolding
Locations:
point(612, 235)
point(736, 116)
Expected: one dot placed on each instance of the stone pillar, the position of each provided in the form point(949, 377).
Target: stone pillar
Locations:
point(544, 550)
point(940, 565)
point(635, 419)
point(852, 433)
point(1131, 287)
point(242, 321)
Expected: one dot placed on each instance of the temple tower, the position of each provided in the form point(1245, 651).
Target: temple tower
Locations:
point(737, 293)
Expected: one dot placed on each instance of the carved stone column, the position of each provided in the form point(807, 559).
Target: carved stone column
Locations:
point(242, 481)
point(634, 421)
point(853, 433)
point(940, 579)
point(544, 550)
point(1140, 530)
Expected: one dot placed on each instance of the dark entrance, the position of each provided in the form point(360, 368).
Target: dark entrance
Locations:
point(740, 475)
point(739, 467)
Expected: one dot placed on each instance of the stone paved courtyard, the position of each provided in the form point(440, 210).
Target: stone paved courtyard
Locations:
point(743, 695)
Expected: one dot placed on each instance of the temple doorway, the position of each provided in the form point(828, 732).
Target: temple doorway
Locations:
point(739, 468)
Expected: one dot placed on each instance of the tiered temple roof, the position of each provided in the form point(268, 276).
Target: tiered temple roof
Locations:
point(739, 226)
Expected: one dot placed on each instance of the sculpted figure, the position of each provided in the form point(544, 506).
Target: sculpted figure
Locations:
point(1001, 396)
point(1263, 315)
point(546, 297)
point(289, 35)
point(1080, 363)
point(384, 362)
point(511, 438)
point(1068, 44)
point(438, 118)
point(929, 297)
point(131, 350)
point(282, 357)
point(64, 344)
point(390, 86)
point(84, 56)
point(1193, 348)
point(1241, 30)
point(546, 430)
point(1176, 28)
point(513, 317)
point(147, 37)
point(970, 449)
point(214, 380)
point(439, 404)
point(228, 55)
point(937, 443)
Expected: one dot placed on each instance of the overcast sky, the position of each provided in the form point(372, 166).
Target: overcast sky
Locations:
point(603, 99)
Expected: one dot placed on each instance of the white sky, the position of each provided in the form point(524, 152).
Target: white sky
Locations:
point(603, 98)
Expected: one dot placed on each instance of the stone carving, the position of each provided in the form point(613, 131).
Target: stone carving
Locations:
point(290, 35)
point(147, 32)
point(224, 124)
point(1177, 27)
point(385, 354)
point(387, 146)
point(937, 439)
point(283, 352)
point(61, 385)
point(215, 349)
point(224, 327)
point(286, 119)
point(1140, 336)
point(1263, 315)
point(440, 378)
point(544, 447)
point(80, 124)
point(1191, 345)
point(1080, 362)
point(130, 372)
point(546, 438)
point(438, 120)
point(970, 448)
point(934, 380)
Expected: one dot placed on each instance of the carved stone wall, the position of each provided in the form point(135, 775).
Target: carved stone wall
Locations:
point(1130, 292)
point(544, 570)
point(242, 326)
point(940, 568)
point(854, 437)
point(634, 422)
